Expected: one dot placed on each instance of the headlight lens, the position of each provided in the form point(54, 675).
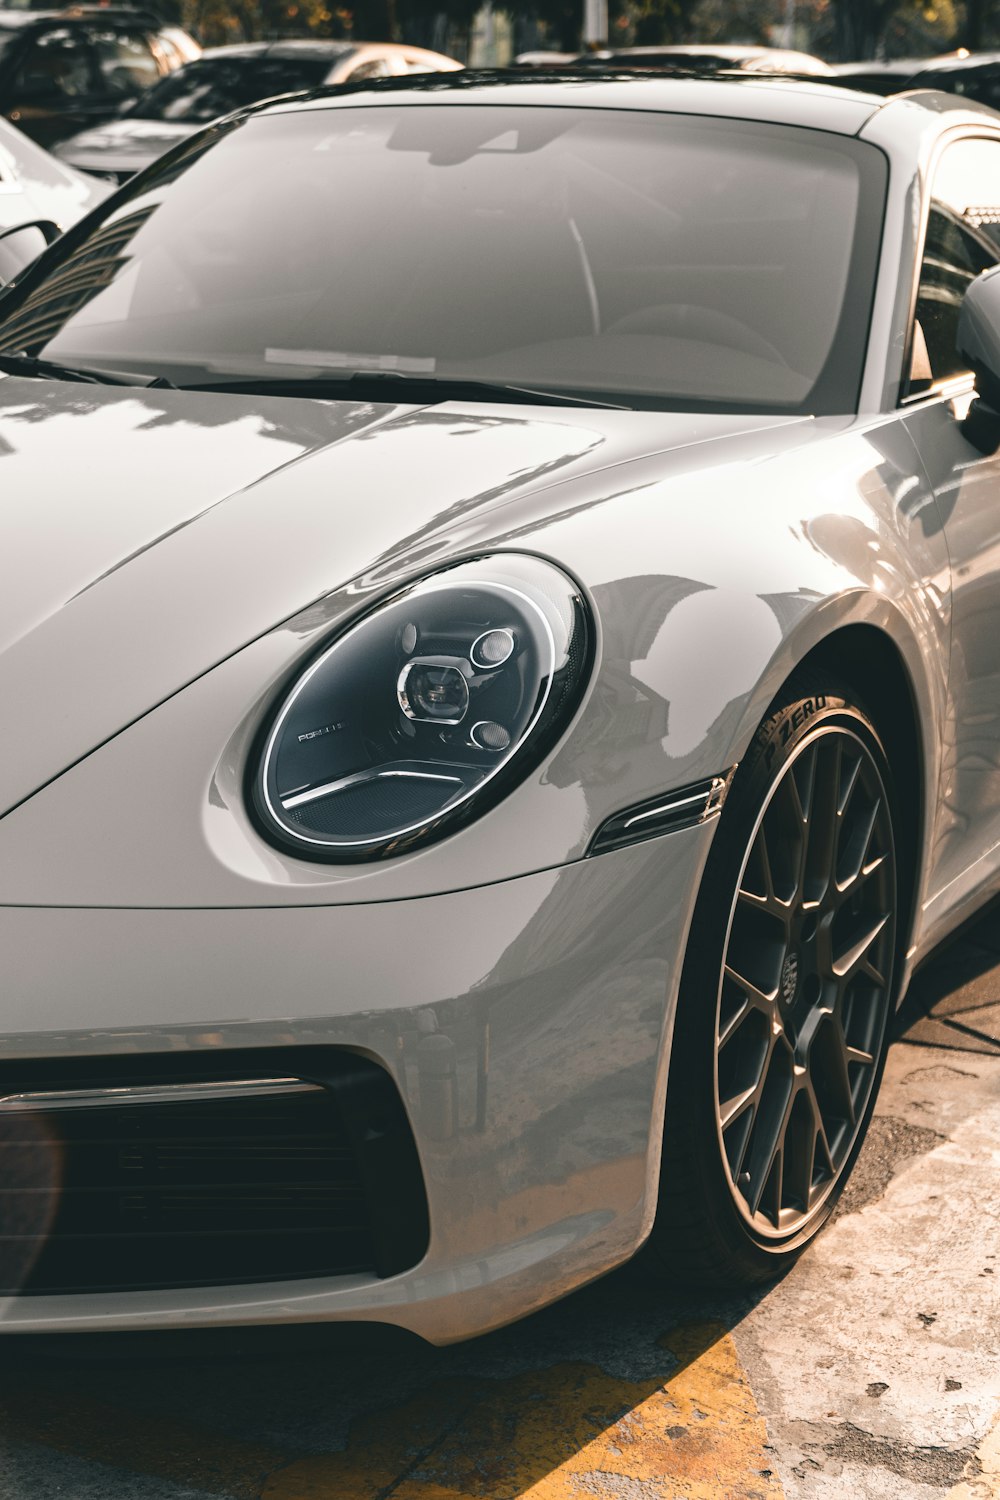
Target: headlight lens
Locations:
point(425, 712)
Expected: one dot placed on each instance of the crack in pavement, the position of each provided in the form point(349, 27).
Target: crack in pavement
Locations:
point(889, 1142)
point(938, 1466)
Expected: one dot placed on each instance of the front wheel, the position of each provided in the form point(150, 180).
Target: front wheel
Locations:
point(786, 994)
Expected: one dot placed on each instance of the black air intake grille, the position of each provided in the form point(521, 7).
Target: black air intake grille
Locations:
point(194, 1182)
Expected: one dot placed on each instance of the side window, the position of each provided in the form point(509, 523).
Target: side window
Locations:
point(375, 67)
point(963, 239)
point(419, 65)
point(125, 63)
point(55, 71)
point(170, 53)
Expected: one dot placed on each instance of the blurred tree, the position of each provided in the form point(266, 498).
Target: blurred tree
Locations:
point(425, 24)
point(836, 29)
point(891, 28)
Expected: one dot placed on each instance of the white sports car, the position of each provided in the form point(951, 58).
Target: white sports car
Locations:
point(499, 617)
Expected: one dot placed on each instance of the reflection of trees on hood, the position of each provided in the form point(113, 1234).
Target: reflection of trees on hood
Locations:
point(414, 547)
point(314, 425)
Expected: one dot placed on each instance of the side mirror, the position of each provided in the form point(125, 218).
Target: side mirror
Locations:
point(978, 344)
point(23, 244)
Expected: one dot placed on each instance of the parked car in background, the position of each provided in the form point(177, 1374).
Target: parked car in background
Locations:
point(974, 76)
point(62, 71)
point(883, 78)
point(228, 78)
point(707, 59)
point(544, 59)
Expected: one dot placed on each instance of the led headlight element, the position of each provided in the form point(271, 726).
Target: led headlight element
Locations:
point(433, 691)
point(426, 711)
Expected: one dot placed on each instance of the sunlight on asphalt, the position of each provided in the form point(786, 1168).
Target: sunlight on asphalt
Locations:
point(560, 1434)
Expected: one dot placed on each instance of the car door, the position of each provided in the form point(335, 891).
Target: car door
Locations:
point(962, 239)
point(53, 91)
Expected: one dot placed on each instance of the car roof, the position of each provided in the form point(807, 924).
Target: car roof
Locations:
point(766, 99)
point(290, 48)
point(959, 64)
point(749, 96)
point(724, 52)
point(306, 47)
point(894, 65)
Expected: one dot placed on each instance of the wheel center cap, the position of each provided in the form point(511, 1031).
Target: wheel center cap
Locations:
point(789, 976)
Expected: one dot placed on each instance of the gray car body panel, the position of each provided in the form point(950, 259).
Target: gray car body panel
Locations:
point(33, 185)
point(140, 910)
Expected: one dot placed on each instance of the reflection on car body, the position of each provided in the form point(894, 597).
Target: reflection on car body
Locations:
point(33, 185)
point(505, 698)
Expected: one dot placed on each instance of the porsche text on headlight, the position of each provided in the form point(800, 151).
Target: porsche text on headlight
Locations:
point(426, 711)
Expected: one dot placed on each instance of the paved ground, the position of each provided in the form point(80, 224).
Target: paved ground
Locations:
point(872, 1372)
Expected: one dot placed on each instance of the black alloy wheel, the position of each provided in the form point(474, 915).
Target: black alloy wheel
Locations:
point(786, 996)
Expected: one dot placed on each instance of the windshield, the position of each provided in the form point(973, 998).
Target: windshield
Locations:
point(650, 259)
point(213, 86)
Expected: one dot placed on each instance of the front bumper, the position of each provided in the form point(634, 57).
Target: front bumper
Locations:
point(536, 1108)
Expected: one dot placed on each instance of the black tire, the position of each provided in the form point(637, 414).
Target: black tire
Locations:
point(786, 995)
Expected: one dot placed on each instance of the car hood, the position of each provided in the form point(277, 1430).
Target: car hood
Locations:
point(123, 145)
point(147, 535)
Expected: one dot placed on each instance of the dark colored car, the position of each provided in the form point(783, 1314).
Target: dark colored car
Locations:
point(228, 78)
point(707, 59)
point(883, 78)
point(60, 72)
point(974, 77)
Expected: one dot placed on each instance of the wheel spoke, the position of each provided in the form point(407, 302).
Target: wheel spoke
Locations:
point(854, 866)
point(848, 782)
point(840, 1073)
point(756, 889)
point(855, 958)
point(823, 1142)
point(754, 901)
point(760, 999)
point(764, 1170)
point(731, 1110)
point(733, 1022)
point(824, 823)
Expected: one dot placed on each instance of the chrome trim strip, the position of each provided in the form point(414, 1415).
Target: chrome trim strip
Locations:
point(686, 808)
point(153, 1093)
point(666, 808)
point(358, 779)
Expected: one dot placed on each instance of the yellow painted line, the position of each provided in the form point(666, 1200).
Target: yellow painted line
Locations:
point(564, 1433)
point(568, 1432)
point(986, 1484)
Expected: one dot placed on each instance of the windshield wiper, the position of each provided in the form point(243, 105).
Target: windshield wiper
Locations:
point(388, 384)
point(46, 369)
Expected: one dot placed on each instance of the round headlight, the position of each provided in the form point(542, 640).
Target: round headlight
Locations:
point(425, 712)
